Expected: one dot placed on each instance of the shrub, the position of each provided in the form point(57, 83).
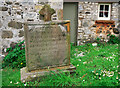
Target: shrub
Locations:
point(99, 42)
point(15, 57)
point(113, 39)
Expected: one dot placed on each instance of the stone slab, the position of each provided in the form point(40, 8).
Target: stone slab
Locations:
point(46, 45)
point(27, 76)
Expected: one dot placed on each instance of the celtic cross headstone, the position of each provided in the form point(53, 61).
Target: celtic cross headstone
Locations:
point(47, 12)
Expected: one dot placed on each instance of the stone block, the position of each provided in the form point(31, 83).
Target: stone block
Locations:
point(80, 36)
point(8, 2)
point(30, 15)
point(80, 31)
point(7, 34)
point(80, 8)
point(17, 3)
point(87, 31)
point(85, 24)
point(21, 33)
point(0, 24)
point(14, 24)
point(3, 8)
point(38, 7)
point(30, 76)
point(56, 5)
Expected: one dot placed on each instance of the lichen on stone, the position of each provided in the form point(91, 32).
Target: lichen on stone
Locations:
point(47, 12)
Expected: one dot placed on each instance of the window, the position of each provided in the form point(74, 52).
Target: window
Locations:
point(104, 11)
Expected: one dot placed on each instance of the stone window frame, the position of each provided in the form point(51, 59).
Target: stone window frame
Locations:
point(109, 14)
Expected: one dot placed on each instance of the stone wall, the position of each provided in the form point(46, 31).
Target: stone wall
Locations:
point(88, 30)
point(15, 12)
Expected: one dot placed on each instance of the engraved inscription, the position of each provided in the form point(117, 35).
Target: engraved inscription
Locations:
point(47, 46)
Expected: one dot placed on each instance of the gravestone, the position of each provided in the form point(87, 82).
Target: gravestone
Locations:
point(46, 45)
point(47, 12)
point(47, 48)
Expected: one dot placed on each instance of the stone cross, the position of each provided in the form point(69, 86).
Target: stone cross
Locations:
point(47, 12)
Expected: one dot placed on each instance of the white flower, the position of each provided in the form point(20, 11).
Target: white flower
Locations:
point(117, 77)
point(103, 74)
point(34, 75)
point(116, 70)
point(99, 77)
point(84, 62)
point(113, 66)
point(25, 84)
point(77, 64)
point(111, 57)
point(110, 75)
point(5, 50)
point(23, 80)
point(96, 73)
point(114, 55)
point(80, 55)
point(107, 58)
point(94, 44)
point(117, 66)
point(79, 59)
point(10, 81)
point(75, 54)
point(83, 80)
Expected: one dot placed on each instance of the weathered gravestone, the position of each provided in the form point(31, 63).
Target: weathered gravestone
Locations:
point(47, 48)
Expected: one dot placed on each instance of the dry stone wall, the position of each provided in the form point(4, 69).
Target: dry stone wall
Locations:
point(13, 13)
point(87, 27)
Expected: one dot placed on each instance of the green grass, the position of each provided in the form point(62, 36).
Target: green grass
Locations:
point(98, 66)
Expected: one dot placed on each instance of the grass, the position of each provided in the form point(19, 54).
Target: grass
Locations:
point(95, 66)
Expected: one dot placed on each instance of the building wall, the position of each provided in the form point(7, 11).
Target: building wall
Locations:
point(15, 12)
point(87, 29)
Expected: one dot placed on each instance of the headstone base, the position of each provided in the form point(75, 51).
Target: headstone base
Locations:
point(27, 76)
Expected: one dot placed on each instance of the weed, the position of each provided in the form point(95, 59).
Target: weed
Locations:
point(15, 57)
point(113, 39)
point(95, 66)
